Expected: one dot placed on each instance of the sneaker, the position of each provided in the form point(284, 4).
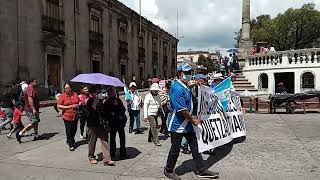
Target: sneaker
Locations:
point(158, 144)
point(71, 148)
point(9, 136)
point(171, 175)
point(18, 137)
point(208, 174)
point(130, 130)
point(186, 151)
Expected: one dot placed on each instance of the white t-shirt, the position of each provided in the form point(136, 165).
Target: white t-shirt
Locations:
point(24, 86)
point(136, 100)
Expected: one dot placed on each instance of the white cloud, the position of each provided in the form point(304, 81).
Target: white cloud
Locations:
point(207, 24)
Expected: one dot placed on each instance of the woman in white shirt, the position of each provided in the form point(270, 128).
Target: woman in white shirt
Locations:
point(152, 105)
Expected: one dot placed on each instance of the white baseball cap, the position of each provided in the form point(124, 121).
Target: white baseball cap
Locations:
point(155, 87)
point(132, 84)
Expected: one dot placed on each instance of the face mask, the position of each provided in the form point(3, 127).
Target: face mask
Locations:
point(187, 78)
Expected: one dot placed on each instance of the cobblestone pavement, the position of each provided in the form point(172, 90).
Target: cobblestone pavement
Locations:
point(277, 146)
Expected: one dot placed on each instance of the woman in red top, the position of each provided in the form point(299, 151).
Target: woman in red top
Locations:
point(83, 97)
point(69, 103)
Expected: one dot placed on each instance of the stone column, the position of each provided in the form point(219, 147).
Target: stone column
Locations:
point(245, 20)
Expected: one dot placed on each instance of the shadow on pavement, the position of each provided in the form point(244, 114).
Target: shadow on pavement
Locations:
point(131, 154)
point(47, 136)
point(44, 136)
point(80, 143)
point(239, 140)
point(219, 153)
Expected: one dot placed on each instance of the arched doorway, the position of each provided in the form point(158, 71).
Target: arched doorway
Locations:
point(263, 82)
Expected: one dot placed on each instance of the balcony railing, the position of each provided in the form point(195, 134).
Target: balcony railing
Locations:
point(53, 25)
point(95, 40)
point(284, 59)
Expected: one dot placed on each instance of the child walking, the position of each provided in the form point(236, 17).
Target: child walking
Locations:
point(17, 123)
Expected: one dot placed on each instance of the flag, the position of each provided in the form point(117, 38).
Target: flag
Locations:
point(127, 95)
point(222, 90)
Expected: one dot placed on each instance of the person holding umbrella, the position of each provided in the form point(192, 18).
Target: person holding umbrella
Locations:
point(69, 103)
point(96, 130)
point(115, 114)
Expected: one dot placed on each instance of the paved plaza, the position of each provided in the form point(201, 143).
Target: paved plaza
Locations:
point(277, 146)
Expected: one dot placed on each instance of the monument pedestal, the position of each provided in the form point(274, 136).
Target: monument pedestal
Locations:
point(245, 50)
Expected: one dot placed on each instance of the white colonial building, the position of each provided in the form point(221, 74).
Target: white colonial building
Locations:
point(299, 70)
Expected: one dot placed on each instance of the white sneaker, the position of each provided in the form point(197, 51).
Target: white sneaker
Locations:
point(81, 137)
point(20, 133)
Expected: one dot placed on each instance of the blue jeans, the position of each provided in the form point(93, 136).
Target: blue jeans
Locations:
point(134, 115)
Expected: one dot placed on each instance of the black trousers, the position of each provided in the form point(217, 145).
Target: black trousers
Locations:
point(164, 117)
point(82, 124)
point(176, 139)
point(122, 137)
point(71, 130)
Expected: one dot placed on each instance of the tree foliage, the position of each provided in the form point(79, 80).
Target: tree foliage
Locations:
point(294, 29)
point(208, 62)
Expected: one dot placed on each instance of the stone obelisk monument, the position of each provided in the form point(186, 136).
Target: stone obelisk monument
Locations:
point(245, 42)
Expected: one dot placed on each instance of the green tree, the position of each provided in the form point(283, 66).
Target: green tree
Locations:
point(208, 62)
point(294, 29)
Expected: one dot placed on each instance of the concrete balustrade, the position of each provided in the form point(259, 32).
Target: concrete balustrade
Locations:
point(284, 59)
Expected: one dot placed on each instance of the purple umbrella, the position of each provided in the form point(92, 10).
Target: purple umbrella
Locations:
point(98, 78)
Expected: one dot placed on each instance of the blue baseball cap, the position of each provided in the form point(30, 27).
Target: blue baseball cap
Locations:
point(184, 67)
point(200, 76)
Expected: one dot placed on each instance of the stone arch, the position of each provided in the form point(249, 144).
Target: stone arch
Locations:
point(307, 80)
point(263, 82)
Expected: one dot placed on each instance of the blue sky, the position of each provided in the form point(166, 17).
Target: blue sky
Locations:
point(207, 24)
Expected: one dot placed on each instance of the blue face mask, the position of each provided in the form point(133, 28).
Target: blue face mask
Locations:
point(187, 78)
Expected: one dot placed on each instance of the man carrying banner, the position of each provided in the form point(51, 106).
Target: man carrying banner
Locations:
point(180, 123)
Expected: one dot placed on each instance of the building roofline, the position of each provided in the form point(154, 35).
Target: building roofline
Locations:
point(192, 52)
point(133, 14)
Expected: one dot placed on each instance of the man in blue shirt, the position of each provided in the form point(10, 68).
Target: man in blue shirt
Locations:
point(180, 123)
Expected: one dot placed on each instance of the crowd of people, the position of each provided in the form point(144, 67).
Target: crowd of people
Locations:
point(103, 114)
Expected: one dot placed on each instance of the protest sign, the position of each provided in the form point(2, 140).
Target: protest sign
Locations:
point(221, 123)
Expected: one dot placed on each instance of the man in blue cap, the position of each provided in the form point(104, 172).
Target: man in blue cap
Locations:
point(180, 123)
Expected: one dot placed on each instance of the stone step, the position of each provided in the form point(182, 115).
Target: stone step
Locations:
point(243, 85)
point(241, 79)
point(242, 82)
point(242, 90)
point(240, 76)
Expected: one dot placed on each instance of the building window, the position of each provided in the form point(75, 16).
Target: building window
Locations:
point(154, 44)
point(95, 24)
point(52, 20)
point(308, 80)
point(263, 81)
point(123, 31)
